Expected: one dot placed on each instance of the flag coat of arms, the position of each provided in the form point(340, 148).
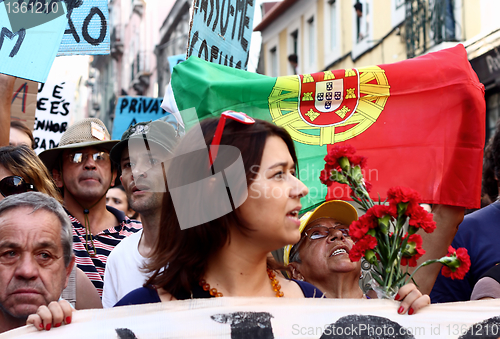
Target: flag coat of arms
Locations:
point(420, 122)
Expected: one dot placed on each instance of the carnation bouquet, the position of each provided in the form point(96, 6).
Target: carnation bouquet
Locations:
point(387, 234)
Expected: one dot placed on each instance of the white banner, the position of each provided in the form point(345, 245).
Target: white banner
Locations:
point(242, 318)
point(54, 104)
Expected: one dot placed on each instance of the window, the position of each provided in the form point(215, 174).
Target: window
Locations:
point(332, 30)
point(311, 52)
point(293, 61)
point(273, 56)
point(362, 32)
point(397, 12)
point(295, 41)
point(362, 10)
point(333, 24)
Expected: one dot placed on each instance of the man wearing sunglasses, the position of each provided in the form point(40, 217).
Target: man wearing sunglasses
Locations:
point(36, 256)
point(82, 169)
point(143, 155)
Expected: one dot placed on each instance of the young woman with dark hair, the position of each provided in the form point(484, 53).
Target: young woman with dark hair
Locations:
point(227, 256)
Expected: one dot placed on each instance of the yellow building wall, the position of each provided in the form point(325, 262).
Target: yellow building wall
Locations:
point(471, 18)
point(320, 47)
point(391, 49)
point(346, 26)
point(381, 9)
point(283, 53)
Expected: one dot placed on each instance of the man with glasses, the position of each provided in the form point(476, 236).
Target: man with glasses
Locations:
point(143, 155)
point(82, 169)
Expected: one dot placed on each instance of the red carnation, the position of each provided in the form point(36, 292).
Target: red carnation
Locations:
point(379, 211)
point(339, 151)
point(413, 250)
point(357, 230)
point(420, 218)
point(457, 263)
point(360, 247)
point(403, 195)
point(325, 177)
point(368, 186)
point(358, 160)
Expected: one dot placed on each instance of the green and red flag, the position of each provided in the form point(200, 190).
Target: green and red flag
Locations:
point(420, 122)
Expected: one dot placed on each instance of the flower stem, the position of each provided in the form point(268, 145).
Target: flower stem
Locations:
point(426, 263)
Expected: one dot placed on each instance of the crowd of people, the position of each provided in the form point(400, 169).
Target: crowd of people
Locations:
point(71, 239)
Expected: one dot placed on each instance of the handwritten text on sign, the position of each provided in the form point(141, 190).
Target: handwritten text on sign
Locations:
point(29, 53)
point(52, 114)
point(131, 110)
point(87, 30)
point(221, 31)
point(23, 104)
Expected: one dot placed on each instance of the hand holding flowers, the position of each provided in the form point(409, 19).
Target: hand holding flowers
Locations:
point(387, 234)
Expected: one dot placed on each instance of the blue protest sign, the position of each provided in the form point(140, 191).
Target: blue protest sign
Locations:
point(29, 53)
point(131, 110)
point(175, 59)
point(87, 31)
point(221, 32)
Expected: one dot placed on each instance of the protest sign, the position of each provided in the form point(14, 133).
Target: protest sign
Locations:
point(23, 105)
point(55, 100)
point(221, 31)
point(29, 53)
point(174, 60)
point(268, 318)
point(87, 31)
point(131, 110)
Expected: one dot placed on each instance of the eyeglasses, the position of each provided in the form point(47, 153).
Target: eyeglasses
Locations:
point(236, 116)
point(79, 157)
point(316, 233)
point(320, 232)
point(14, 185)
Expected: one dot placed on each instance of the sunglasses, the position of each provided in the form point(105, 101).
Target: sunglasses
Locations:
point(79, 157)
point(236, 116)
point(14, 185)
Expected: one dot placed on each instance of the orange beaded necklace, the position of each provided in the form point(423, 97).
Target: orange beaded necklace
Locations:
point(274, 282)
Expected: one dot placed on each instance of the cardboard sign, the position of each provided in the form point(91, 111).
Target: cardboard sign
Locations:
point(54, 104)
point(87, 31)
point(174, 60)
point(23, 105)
point(269, 318)
point(221, 31)
point(131, 110)
point(29, 53)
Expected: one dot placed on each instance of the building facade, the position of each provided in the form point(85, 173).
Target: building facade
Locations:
point(130, 68)
point(333, 34)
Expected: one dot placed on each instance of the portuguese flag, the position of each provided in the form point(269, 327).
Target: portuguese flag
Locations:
point(420, 122)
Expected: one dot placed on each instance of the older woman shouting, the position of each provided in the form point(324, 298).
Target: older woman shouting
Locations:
point(321, 257)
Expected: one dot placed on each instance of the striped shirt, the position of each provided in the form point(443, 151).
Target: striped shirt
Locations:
point(93, 264)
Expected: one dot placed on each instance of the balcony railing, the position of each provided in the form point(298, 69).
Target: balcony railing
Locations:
point(141, 71)
point(428, 23)
point(116, 43)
